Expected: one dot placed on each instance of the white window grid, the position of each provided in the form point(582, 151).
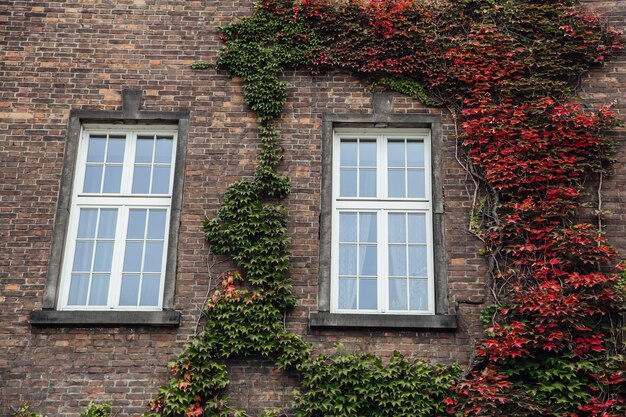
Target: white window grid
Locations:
point(124, 201)
point(382, 205)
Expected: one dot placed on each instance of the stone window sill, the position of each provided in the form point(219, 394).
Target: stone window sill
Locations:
point(383, 321)
point(55, 318)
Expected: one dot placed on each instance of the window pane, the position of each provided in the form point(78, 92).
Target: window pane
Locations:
point(347, 293)
point(78, 290)
point(368, 294)
point(367, 183)
point(163, 151)
point(130, 290)
point(99, 294)
point(417, 183)
point(141, 180)
point(347, 183)
point(93, 179)
point(348, 151)
point(397, 294)
point(115, 153)
point(395, 153)
point(150, 289)
point(347, 260)
point(108, 222)
point(347, 227)
point(96, 149)
point(132, 258)
point(415, 154)
point(417, 228)
point(367, 153)
point(156, 224)
point(397, 228)
point(153, 257)
point(367, 227)
point(136, 224)
point(418, 294)
point(144, 149)
point(104, 257)
point(161, 180)
point(112, 179)
point(368, 261)
point(418, 261)
point(87, 222)
point(82, 256)
point(395, 183)
point(397, 261)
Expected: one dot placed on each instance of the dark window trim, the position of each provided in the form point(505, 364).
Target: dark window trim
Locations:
point(324, 318)
point(129, 115)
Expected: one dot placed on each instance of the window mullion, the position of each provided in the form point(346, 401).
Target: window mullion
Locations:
point(383, 259)
point(118, 257)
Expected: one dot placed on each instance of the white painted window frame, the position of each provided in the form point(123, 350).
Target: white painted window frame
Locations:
point(123, 201)
point(382, 205)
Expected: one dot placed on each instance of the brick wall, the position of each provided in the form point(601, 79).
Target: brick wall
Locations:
point(56, 56)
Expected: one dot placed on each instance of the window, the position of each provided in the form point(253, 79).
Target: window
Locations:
point(382, 235)
point(117, 236)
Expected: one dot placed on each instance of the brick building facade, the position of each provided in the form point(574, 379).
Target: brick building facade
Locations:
point(79, 55)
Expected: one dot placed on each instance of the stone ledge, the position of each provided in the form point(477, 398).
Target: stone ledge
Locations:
point(389, 321)
point(55, 318)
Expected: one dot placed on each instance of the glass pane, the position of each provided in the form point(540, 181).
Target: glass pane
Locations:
point(99, 294)
point(136, 224)
point(395, 153)
point(96, 149)
point(348, 153)
point(163, 151)
point(87, 222)
point(161, 180)
point(367, 183)
point(153, 257)
point(156, 224)
point(112, 179)
point(395, 183)
point(108, 222)
point(418, 261)
point(104, 257)
point(417, 228)
point(115, 153)
point(347, 227)
point(415, 154)
point(347, 260)
point(82, 256)
point(132, 258)
point(347, 293)
point(347, 182)
point(397, 261)
point(367, 232)
point(141, 180)
point(397, 294)
point(144, 149)
point(93, 179)
point(130, 290)
point(367, 153)
point(78, 290)
point(417, 183)
point(368, 261)
point(418, 294)
point(368, 294)
point(150, 289)
point(397, 228)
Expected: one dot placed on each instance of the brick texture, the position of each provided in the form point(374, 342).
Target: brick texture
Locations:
point(59, 55)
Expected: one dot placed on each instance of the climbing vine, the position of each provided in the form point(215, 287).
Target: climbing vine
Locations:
point(505, 68)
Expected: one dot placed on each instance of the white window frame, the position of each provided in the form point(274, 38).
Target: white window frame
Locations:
point(381, 204)
point(123, 201)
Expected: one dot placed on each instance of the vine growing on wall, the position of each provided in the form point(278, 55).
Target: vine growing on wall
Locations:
point(506, 69)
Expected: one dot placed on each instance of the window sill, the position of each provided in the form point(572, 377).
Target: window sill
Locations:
point(383, 321)
point(55, 318)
